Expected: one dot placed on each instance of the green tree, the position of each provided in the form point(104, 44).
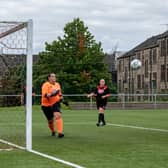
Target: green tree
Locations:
point(76, 58)
point(12, 84)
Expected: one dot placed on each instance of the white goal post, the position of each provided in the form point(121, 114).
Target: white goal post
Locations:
point(17, 38)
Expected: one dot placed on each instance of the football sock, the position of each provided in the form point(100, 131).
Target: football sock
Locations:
point(103, 120)
point(59, 123)
point(99, 118)
point(51, 126)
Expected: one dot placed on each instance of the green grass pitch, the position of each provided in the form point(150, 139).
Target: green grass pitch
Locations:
point(86, 144)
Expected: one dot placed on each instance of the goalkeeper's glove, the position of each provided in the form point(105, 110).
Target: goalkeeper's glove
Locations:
point(65, 102)
point(54, 92)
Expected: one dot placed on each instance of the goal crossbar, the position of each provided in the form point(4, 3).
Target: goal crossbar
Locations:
point(12, 30)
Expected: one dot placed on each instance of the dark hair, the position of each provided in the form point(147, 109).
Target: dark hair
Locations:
point(49, 75)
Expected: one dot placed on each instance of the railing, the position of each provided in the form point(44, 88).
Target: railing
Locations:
point(116, 101)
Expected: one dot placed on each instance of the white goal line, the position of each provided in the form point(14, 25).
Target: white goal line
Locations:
point(42, 154)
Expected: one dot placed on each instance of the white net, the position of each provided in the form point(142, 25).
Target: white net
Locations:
point(15, 73)
point(13, 38)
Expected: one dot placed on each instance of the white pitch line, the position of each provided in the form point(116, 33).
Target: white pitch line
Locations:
point(11, 144)
point(42, 154)
point(136, 127)
point(121, 125)
point(7, 149)
point(56, 159)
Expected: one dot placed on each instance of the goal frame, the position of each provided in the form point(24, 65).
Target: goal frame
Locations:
point(29, 62)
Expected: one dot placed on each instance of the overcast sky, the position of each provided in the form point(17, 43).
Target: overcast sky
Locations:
point(124, 23)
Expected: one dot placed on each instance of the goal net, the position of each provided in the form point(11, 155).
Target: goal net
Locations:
point(15, 74)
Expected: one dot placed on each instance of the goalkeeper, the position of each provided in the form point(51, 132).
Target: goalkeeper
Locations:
point(101, 93)
point(50, 102)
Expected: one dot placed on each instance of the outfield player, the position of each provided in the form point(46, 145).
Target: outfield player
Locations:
point(101, 93)
point(23, 96)
point(50, 102)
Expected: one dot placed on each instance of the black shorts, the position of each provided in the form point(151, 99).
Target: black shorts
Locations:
point(49, 110)
point(101, 104)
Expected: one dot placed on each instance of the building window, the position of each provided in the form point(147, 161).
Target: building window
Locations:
point(150, 57)
point(154, 75)
point(120, 62)
point(162, 72)
point(143, 59)
point(146, 68)
point(163, 47)
point(154, 60)
point(138, 81)
point(142, 81)
point(146, 91)
point(154, 81)
point(138, 56)
point(119, 86)
point(125, 75)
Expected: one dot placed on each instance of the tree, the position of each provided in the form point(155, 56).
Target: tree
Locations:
point(11, 82)
point(76, 58)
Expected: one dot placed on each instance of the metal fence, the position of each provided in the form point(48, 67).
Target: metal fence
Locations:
point(116, 101)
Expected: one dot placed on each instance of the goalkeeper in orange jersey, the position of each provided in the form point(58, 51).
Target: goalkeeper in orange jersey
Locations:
point(50, 102)
point(101, 93)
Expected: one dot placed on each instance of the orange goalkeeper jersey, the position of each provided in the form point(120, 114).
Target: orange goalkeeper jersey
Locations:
point(49, 88)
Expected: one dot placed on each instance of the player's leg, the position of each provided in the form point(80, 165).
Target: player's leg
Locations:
point(101, 115)
point(50, 118)
point(101, 108)
point(59, 120)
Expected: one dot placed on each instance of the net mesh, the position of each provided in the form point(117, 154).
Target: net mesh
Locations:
point(13, 38)
point(13, 51)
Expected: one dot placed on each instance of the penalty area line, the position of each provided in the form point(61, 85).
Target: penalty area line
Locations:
point(136, 127)
point(121, 125)
point(42, 154)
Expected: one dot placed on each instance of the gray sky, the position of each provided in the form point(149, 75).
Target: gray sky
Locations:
point(124, 23)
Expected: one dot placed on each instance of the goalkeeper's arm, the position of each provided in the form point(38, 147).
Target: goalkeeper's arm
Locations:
point(53, 93)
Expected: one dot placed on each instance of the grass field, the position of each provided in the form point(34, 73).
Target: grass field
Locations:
point(84, 143)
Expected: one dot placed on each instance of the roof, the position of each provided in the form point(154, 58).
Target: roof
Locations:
point(149, 43)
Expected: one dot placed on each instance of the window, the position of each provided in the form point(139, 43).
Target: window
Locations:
point(138, 81)
point(119, 86)
point(138, 56)
point(146, 68)
point(154, 75)
point(154, 60)
point(120, 65)
point(162, 72)
point(142, 81)
point(125, 75)
point(154, 84)
point(150, 57)
point(163, 47)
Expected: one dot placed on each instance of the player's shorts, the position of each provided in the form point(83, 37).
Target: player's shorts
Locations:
point(49, 110)
point(101, 104)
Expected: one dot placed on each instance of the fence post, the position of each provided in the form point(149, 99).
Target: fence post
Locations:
point(155, 106)
point(123, 102)
point(91, 103)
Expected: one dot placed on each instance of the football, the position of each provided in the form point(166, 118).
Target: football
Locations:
point(136, 64)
